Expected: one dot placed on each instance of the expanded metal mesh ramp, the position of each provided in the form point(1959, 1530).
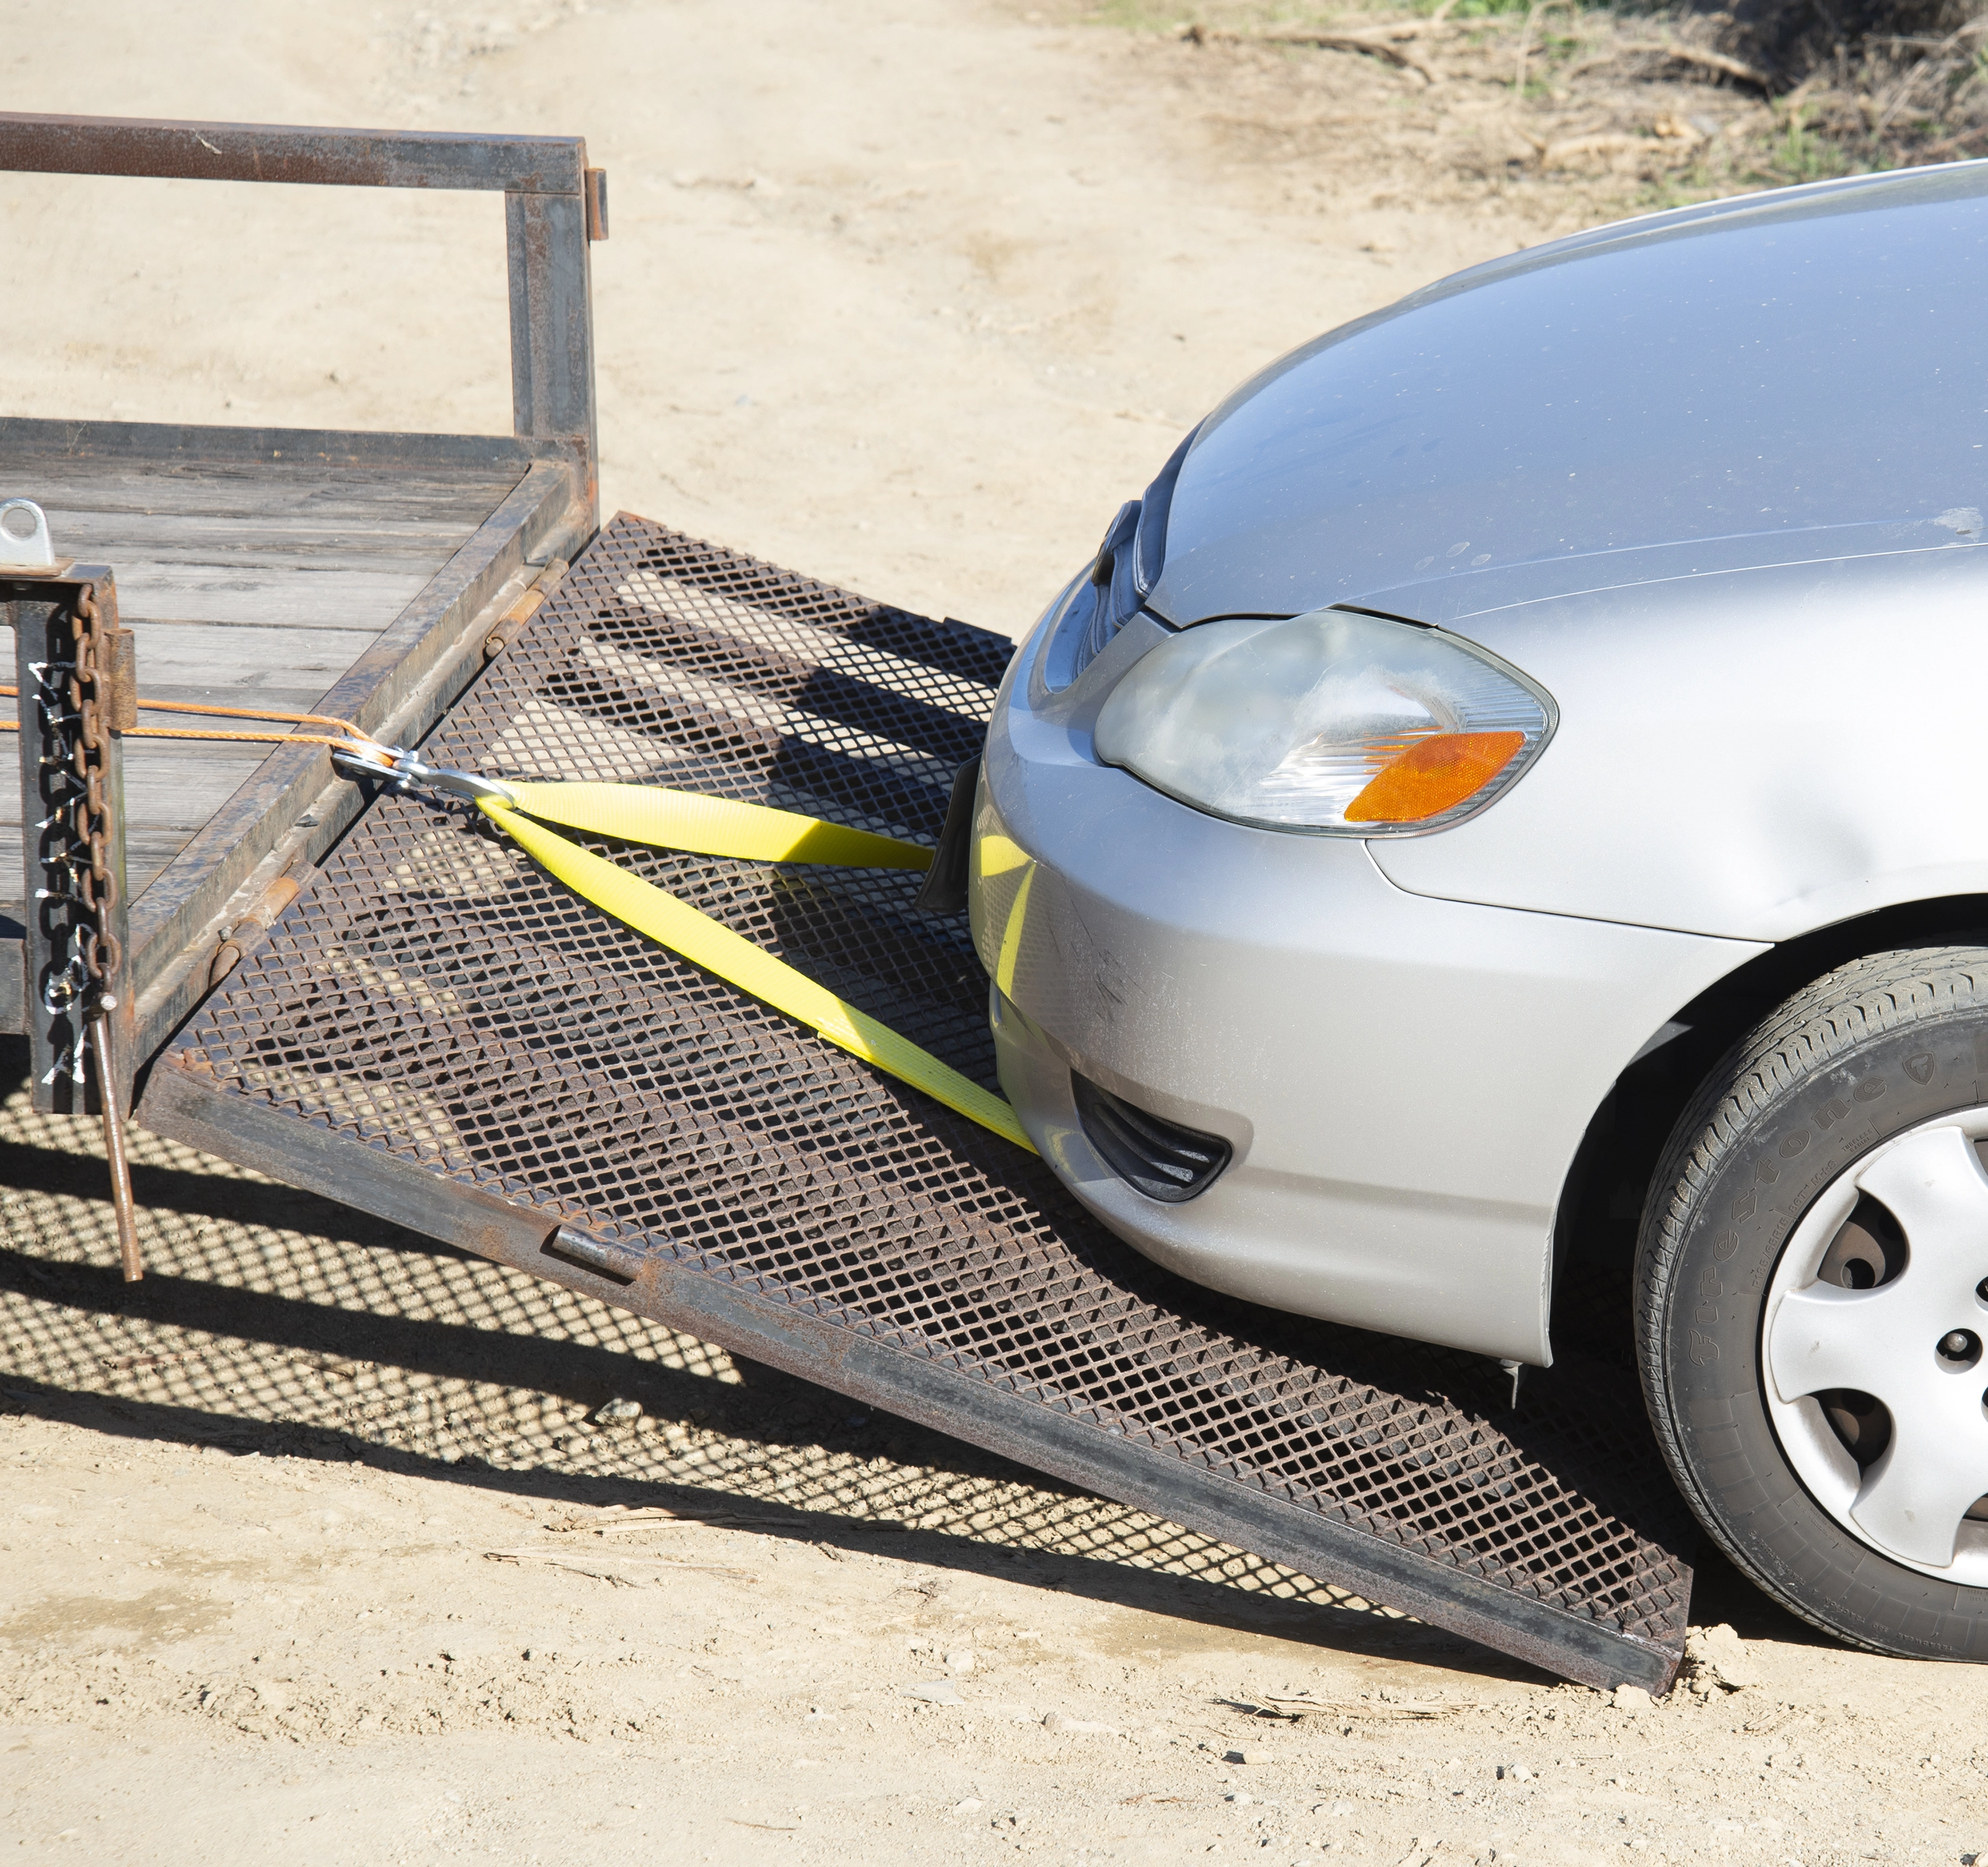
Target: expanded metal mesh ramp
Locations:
point(437, 1033)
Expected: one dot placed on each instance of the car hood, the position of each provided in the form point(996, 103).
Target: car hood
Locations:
point(1780, 378)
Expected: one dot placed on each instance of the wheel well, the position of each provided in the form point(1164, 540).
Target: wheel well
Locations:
point(1601, 1202)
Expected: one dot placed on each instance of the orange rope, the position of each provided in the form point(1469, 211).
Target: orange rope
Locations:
point(191, 732)
point(188, 706)
point(306, 719)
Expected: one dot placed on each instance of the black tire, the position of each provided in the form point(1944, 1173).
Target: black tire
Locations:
point(1879, 1046)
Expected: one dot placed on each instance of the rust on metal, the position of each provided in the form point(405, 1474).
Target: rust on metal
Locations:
point(103, 689)
point(552, 205)
point(120, 707)
point(227, 957)
point(73, 675)
point(130, 1258)
point(521, 611)
point(249, 933)
point(180, 149)
point(438, 1031)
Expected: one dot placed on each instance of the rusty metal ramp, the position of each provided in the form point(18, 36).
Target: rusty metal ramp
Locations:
point(438, 1033)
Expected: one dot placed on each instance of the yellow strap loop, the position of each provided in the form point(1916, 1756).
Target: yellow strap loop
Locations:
point(712, 825)
point(705, 943)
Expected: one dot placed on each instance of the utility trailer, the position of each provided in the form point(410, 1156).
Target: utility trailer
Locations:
point(372, 995)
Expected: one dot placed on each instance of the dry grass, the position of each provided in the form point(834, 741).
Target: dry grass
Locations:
point(1646, 106)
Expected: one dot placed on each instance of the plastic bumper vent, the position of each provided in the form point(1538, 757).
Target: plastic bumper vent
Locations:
point(1159, 1159)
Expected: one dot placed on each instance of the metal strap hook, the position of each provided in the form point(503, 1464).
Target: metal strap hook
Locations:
point(409, 769)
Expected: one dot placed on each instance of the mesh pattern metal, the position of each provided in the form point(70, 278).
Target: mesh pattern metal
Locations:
point(437, 996)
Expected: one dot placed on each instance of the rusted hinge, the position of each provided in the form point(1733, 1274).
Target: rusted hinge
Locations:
point(248, 933)
point(505, 630)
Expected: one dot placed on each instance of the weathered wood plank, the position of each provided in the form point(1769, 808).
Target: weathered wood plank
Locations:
point(288, 669)
point(148, 849)
point(251, 542)
point(332, 589)
point(171, 786)
point(165, 446)
point(242, 665)
point(264, 539)
point(171, 789)
point(247, 493)
point(301, 596)
point(388, 505)
point(539, 508)
point(174, 784)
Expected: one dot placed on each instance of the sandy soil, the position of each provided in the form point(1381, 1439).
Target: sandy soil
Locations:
point(909, 292)
point(316, 1550)
point(313, 1547)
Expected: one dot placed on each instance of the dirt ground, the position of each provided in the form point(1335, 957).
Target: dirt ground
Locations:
point(313, 1547)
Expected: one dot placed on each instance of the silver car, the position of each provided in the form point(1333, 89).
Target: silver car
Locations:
point(1512, 795)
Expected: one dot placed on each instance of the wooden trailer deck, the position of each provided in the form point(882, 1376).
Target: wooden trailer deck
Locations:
point(290, 570)
point(354, 574)
point(243, 590)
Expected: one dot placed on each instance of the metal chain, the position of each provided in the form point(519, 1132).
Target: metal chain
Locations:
point(93, 828)
point(78, 709)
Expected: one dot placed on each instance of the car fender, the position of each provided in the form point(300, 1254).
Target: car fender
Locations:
point(1750, 754)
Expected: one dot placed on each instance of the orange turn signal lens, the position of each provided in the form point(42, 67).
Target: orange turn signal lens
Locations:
point(1433, 775)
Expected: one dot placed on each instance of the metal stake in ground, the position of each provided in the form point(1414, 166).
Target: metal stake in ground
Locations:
point(103, 689)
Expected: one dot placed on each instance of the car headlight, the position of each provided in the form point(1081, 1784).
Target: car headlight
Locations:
point(1336, 723)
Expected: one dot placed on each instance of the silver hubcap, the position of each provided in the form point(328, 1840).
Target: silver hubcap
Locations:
point(1874, 1333)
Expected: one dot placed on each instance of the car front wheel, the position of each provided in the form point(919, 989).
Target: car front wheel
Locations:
point(1812, 1303)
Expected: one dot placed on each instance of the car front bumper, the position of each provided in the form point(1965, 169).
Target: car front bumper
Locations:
point(1404, 1080)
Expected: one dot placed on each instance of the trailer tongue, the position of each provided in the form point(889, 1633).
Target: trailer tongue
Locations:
point(438, 1032)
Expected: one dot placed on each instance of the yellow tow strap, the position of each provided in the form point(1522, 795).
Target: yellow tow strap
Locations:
point(719, 826)
point(712, 825)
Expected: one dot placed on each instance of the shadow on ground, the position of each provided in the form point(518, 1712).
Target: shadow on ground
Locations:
point(272, 1321)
